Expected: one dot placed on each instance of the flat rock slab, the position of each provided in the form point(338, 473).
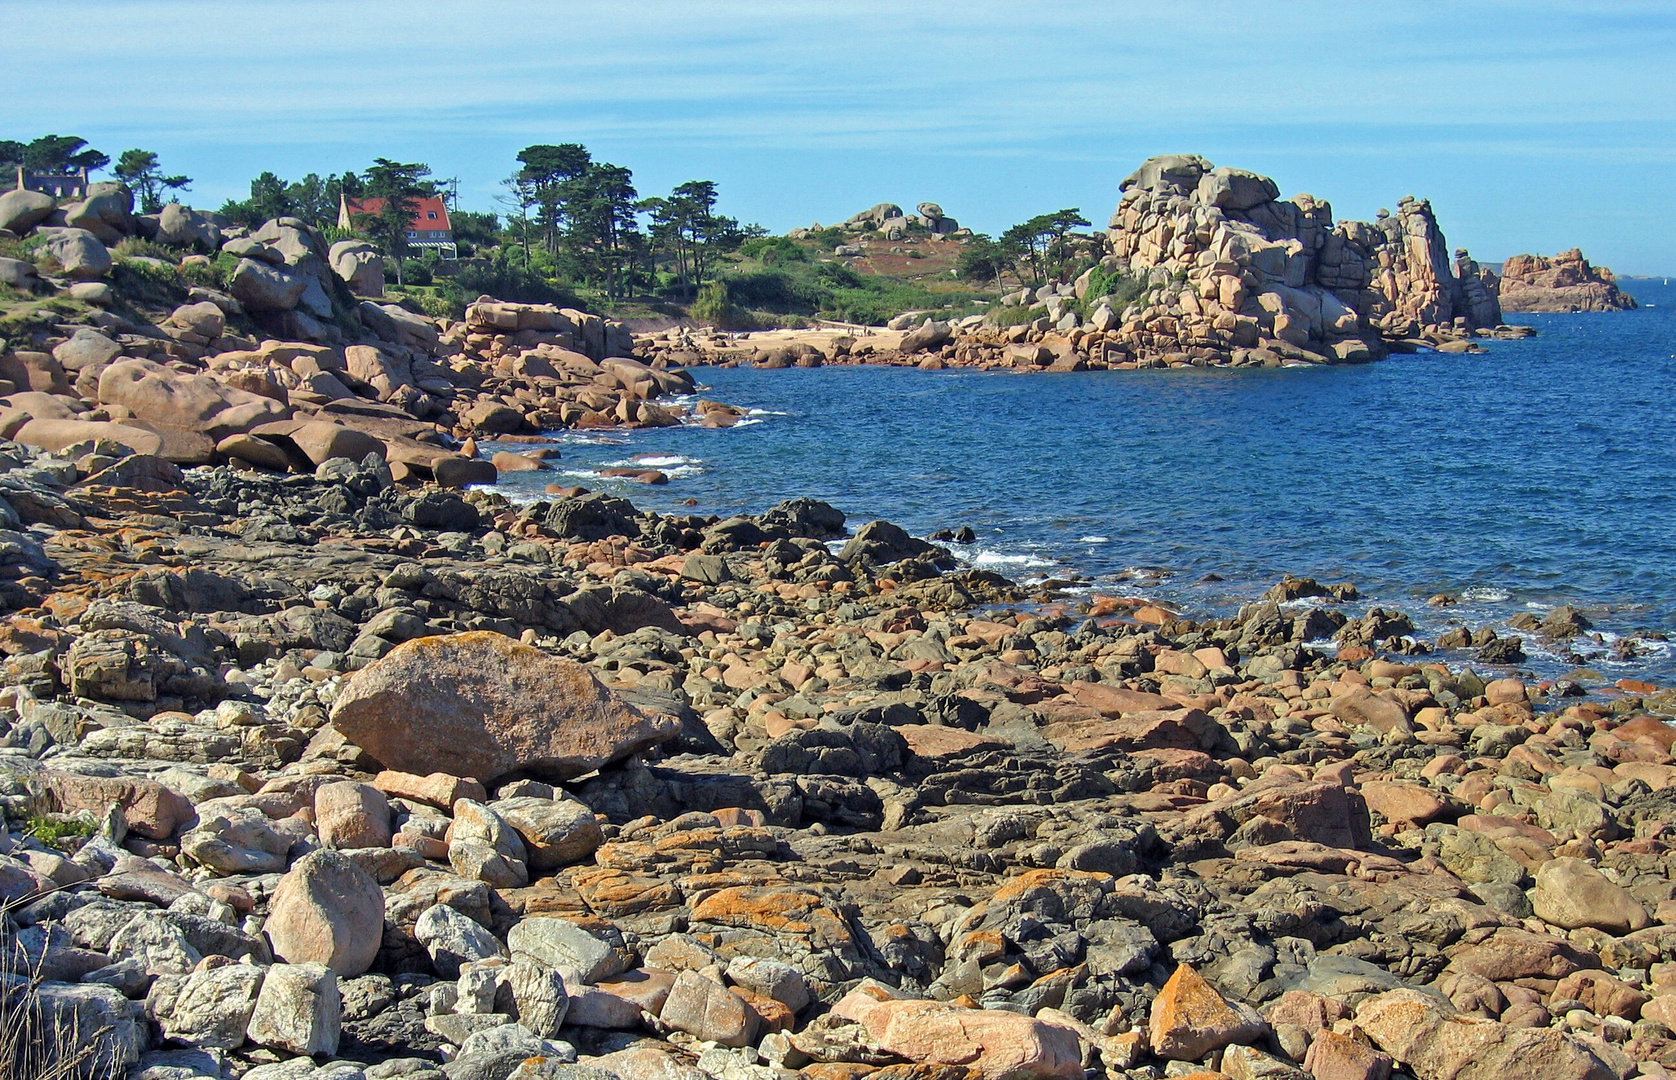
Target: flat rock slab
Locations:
point(482, 705)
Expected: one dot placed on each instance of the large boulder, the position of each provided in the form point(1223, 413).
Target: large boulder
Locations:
point(80, 255)
point(107, 212)
point(1236, 189)
point(930, 335)
point(322, 440)
point(22, 210)
point(299, 1010)
point(1426, 1036)
point(556, 832)
point(79, 1015)
point(1571, 894)
point(360, 266)
point(992, 1043)
point(19, 274)
point(213, 1007)
point(183, 226)
point(149, 809)
point(86, 348)
point(293, 238)
point(166, 398)
point(1190, 1019)
point(55, 434)
point(260, 287)
point(481, 704)
point(327, 910)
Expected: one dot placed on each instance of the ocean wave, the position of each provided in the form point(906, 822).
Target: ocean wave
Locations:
point(660, 461)
point(673, 466)
point(1485, 594)
point(987, 559)
point(1095, 540)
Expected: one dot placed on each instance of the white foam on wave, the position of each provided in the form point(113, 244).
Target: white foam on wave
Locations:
point(1485, 594)
point(661, 461)
point(1095, 540)
point(984, 559)
point(671, 465)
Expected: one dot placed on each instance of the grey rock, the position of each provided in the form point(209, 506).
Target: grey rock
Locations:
point(562, 944)
point(452, 939)
point(298, 1010)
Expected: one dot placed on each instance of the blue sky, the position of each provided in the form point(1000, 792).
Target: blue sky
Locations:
point(1531, 126)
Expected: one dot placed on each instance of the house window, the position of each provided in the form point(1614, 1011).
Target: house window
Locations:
point(431, 214)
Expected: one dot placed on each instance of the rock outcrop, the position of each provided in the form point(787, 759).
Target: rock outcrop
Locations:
point(293, 361)
point(1201, 265)
point(1566, 282)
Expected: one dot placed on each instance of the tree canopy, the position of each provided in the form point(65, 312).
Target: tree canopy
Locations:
point(400, 186)
point(141, 172)
point(313, 199)
point(51, 154)
point(1041, 242)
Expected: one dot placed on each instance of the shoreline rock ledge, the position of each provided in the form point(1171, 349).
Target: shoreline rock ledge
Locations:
point(481, 704)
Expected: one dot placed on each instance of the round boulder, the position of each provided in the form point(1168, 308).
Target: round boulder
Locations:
point(327, 910)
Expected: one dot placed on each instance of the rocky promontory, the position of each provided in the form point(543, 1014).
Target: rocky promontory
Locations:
point(1204, 266)
point(1566, 282)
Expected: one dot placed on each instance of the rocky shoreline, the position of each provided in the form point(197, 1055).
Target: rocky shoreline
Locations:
point(317, 761)
point(1211, 268)
point(324, 776)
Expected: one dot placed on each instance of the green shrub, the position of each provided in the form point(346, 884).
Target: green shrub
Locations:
point(142, 282)
point(504, 277)
point(53, 830)
point(1015, 316)
point(715, 305)
point(770, 250)
point(34, 314)
point(132, 247)
point(214, 276)
point(1124, 289)
point(27, 248)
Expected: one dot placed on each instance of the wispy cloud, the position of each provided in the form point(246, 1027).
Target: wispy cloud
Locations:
point(805, 109)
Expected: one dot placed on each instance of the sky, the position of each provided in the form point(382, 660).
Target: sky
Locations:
point(1532, 127)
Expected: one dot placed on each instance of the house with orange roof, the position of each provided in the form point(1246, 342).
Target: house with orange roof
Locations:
point(430, 229)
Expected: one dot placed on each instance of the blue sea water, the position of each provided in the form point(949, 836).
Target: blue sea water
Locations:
point(1540, 473)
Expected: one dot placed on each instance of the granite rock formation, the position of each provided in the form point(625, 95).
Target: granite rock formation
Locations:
point(1566, 282)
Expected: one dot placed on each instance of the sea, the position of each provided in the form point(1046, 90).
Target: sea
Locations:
point(1539, 473)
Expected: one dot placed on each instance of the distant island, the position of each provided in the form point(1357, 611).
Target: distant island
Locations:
point(1566, 282)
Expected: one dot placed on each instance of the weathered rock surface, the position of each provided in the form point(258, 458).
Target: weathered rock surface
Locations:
point(482, 705)
point(996, 1045)
point(327, 910)
point(1566, 282)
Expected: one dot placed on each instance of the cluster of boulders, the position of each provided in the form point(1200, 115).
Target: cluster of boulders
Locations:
point(1565, 282)
point(320, 777)
point(286, 368)
point(892, 223)
point(1228, 273)
point(1208, 266)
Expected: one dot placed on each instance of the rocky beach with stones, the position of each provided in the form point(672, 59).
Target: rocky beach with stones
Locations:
point(322, 761)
